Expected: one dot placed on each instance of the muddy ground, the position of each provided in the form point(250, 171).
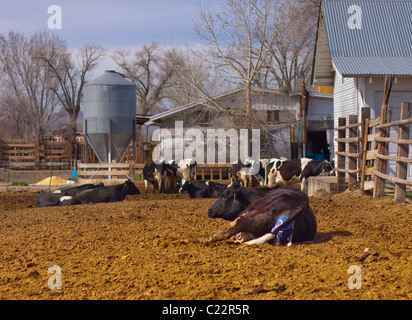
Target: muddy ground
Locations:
point(127, 250)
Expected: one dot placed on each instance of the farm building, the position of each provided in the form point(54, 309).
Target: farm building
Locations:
point(358, 44)
point(278, 113)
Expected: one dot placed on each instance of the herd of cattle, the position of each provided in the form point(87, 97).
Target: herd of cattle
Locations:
point(272, 211)
point(169, 176)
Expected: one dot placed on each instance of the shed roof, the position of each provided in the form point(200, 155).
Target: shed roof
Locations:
point(367, 37)
point(173, 112)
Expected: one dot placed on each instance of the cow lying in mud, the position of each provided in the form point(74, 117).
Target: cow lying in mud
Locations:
point(63, 196)
point(203, 189)
point(282, 214)
point(108, 194)
point(86, 194)
point(235, 199)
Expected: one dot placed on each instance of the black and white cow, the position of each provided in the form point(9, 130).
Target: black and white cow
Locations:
point(283, 214)
point(249, 173)
point(187, 168)
point(203, 189)
point(62, 196)
point(160, 173)
point(271, 168)
point(312, 169)
point(286, 172)
point(296, 171)
point(69, 191)
point(48, 199)
point(108, 193)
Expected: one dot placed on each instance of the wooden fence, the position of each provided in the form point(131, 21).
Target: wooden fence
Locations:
point(33, 154)
point(114, 173)
point(213, 172)
point(108, 173)
point(367, 154)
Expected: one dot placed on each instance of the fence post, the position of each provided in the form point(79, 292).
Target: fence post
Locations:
point(366, 114)
point(132, 172)
point(341, 159)
point(36, 153)
point(353, 146)
point(402, 167)
point(381, 164)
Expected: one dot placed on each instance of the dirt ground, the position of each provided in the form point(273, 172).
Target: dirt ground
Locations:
point(127, 250)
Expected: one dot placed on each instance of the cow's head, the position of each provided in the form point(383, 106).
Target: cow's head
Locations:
point(327, 166)
point(185, 186)
point(131, 187)
point(229, 205)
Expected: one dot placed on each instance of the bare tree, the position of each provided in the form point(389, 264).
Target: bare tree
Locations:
point(194, 80)
point(71, 75)
point(151, 70)
point(290, 59)
point(239, 37)
point(27, 96)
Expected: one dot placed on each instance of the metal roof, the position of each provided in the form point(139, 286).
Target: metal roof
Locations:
point(381, 42)
point(185, 107)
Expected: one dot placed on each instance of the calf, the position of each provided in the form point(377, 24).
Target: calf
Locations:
point(203, 189)
point(280, 209)
point(108, 193)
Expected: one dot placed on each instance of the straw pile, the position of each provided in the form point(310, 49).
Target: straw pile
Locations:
point(54, 180)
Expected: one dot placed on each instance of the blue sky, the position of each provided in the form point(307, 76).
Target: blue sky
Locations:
point(114, 24)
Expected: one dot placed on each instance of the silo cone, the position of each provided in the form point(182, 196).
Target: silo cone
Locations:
point(109, 115)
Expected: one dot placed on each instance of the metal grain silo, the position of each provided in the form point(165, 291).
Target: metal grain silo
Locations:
point(109, 115)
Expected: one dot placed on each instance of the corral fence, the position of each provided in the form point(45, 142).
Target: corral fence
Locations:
point(114, 173)
point(23, 154)
point(365, 160)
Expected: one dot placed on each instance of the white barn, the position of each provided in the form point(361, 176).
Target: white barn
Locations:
point(358, 43)
point(279, 113)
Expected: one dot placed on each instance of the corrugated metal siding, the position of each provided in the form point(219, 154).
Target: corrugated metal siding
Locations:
point(382, 46)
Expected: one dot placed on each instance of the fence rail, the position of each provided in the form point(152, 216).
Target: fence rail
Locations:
point(367, 155)
point(40, 155)
point(114, 173)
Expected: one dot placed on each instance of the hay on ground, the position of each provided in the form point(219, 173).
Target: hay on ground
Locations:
point(54, 180)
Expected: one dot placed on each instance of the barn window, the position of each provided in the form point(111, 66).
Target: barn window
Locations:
point(273, 116)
